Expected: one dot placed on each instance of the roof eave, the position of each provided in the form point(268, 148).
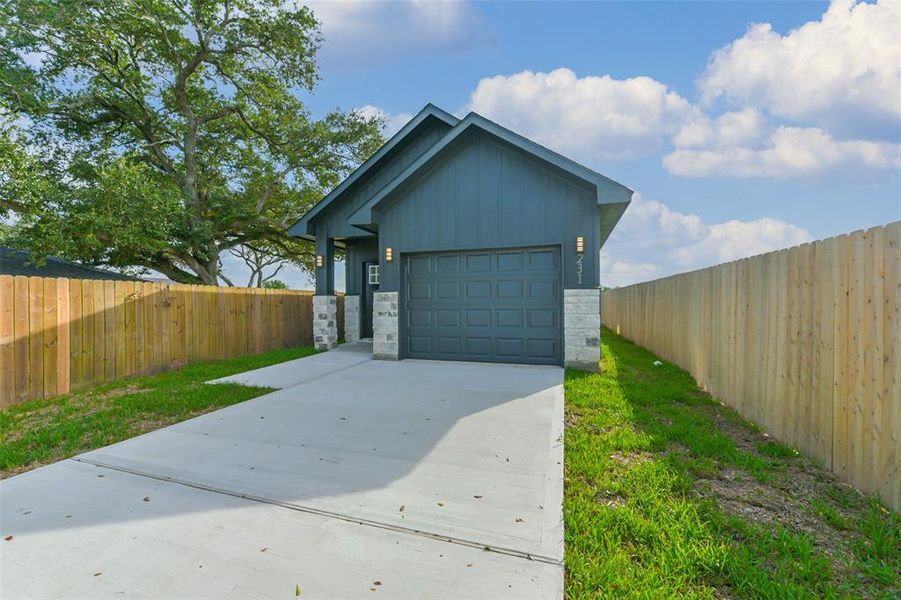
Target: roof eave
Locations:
point(303, 226)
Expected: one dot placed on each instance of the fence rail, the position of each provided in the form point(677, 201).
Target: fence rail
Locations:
point(805, 341)
point(60, 335)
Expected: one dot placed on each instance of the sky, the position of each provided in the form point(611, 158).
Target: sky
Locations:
point(743, 127)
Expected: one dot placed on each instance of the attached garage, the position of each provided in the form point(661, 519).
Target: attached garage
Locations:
point(465, 241)
point(487, 306)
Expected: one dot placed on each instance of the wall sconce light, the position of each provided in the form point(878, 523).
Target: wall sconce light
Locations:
point(320, 261)
point(389, 254)
point(580, 245)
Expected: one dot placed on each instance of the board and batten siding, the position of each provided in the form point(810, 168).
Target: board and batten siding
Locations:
point(806, 342)
point(334, 222)
point(486, 194)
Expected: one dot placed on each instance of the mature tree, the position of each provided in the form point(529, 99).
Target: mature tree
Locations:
point(159, 133)
point(275, 284)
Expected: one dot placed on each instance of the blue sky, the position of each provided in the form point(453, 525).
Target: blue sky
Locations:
point(743, 127)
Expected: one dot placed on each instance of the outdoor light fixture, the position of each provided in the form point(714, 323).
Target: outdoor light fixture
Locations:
point(580, 245)
point(320, 261)
point(389, 254)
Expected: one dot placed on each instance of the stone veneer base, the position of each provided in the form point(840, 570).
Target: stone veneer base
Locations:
point(351, 319)
point(582, 329)
point(385, 342)
point(325, 322)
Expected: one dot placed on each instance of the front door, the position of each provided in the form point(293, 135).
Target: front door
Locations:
point(370, 284)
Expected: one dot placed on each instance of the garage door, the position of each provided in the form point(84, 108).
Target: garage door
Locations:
point(493, 305)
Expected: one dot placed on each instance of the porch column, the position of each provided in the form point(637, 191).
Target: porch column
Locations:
point(325, 303)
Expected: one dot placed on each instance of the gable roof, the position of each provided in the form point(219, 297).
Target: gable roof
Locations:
point(612, 197)
point(389, 148)
point(19, 262)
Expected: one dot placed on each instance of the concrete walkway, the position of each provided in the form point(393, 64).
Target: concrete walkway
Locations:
point(413, 479)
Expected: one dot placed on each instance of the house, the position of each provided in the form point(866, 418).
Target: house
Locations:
point(465, 241)
point(20, 262)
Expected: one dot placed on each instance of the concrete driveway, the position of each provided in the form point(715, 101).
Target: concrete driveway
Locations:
point(413, 479)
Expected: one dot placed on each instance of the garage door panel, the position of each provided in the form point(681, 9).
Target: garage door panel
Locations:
point(509, 289)
point(509, 347)
point(448, 317)
point(546, 348)
point(419, 291)
point(499, 305)
point(508, 317)
point(478, 263)
point(448, 290)
point(509, 261)
point(449, 345)
point(418, 317)
point(543, 260)
point(478, 289)
point(420, 264)
point(478, 346)
point(478, 317)
point(542, 317)
point(448, 264)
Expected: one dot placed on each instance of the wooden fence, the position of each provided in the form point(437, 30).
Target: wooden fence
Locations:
point(60, 335)
point(805, 342)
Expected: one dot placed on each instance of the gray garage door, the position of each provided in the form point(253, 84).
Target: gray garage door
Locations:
point(492, 305)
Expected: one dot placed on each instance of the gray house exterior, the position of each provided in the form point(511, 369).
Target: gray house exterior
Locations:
point(466, 241)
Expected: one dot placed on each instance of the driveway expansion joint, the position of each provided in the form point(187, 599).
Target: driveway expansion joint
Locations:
point(325, 513)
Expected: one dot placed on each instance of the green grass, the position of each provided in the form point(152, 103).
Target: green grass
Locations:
point(47, 430)
point(671, 494)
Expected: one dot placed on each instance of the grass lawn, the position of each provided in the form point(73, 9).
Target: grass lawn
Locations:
point(42, 431)
point(671, 494)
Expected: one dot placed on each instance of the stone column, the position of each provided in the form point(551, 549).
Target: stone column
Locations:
point(385, 326)
point(582, 329)
point(351, 319)
point(325, 322)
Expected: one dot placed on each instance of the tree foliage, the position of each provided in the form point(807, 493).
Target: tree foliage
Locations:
point(159, 133)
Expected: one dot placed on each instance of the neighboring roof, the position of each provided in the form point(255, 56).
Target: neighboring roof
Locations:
point(386, 151)
point(19, 262)
point(612, 197)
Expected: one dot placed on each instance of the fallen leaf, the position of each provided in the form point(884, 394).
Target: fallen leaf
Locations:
point(264, 549)
point(476, 496)
point(146, 498)
point(402, 508)
point(8, 538)
point(297, 591)
point(441, 504)
point(98, 574)
point(518, 520)
point(376, 583)
point(469, 565)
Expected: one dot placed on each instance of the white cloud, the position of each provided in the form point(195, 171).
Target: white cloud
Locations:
point(738, 239)
point(392, 122)
point(842, 72)
point(369, 32)
point(784, 152)
point(652, 241)
point(588, 118)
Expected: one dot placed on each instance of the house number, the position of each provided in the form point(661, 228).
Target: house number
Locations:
point(579, 267)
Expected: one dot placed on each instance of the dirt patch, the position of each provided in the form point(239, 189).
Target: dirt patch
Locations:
point(630, 458)
point(739, 494)
point(125, 391)
point(610, 500)
point(572, 419)
point(744, 437)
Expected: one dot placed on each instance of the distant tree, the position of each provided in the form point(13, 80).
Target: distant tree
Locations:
point(275, 284)
point(161, 133)
point(259, 258)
